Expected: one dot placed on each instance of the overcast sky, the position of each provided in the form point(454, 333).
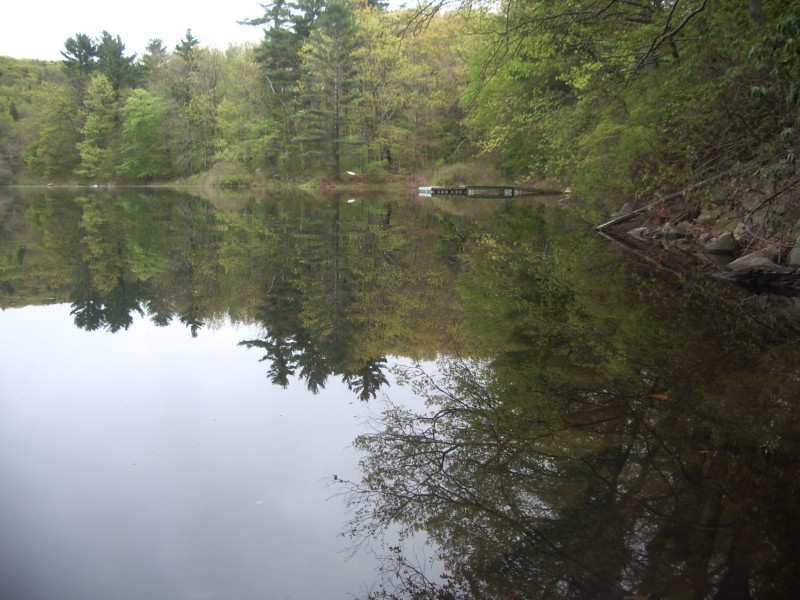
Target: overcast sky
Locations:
point(39, 29)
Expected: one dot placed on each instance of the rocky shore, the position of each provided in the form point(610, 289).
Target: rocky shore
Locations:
point(752, 244)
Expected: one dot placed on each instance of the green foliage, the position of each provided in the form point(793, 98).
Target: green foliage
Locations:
point(145, 141)
point(617, 161)
point(328, 63)
point(635, 100)
point(376, 171)
point(112, 62)
point(20, 81)
point(99, 145)
point(623, 102)
point(331, 82)
point(235, 181)
point(248, 131)
point(475, 172)
point(80, 54)
point(188, 47)
point(153, 60)
point(57, 121)
point(779, 52)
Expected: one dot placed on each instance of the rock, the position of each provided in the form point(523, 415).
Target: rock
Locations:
point(704, 238)
point(710, 215)
point(749, 262)
point(624, 209)
point(742, 234)
point(640, 233)
point(680, 244)
point(673, 232)
point(793, 259)
point(723, 244)
point(728, 218)
point(720, 261)
point(769, 254)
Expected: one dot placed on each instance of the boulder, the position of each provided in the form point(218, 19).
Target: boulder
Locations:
point(770, 254)
point(673, 232)
point(793, 259)
point(749, 262)
point(710, 215)
point(640, 233)
point(743, 233)
point(723, 244)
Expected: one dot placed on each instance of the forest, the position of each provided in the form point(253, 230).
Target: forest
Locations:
point(593, 427)
point(619, 99)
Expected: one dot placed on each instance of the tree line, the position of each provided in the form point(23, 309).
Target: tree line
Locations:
point(333, 86)
point(619, 99)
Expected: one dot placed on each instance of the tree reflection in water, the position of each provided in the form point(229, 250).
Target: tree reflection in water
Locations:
point(627, 438)
point(575, 493)
point(613, 435)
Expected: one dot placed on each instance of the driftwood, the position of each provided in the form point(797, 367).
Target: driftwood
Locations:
point(659, 265)
point(639, 211)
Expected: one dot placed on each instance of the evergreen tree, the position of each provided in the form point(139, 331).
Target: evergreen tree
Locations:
point(154, 58)
point(80, 54)
point(288, 26)
point(187, 47)
point(329, 81)
point(112, 62)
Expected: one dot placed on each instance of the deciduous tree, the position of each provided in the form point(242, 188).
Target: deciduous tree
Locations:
point(99, 144)
point(145, 137)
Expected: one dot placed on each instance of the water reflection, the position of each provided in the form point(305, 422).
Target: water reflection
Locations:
point(594, 429)
point(630, 437)
point(330, 283)
point(150, 464)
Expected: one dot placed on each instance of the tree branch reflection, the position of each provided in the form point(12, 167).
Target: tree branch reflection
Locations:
point(533, 491)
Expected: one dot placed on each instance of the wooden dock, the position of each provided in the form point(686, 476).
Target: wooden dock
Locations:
point(483, 191)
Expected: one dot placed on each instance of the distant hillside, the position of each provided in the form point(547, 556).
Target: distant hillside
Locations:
point(19, 80)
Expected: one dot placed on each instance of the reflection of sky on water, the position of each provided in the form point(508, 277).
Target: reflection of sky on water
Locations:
point(148, 464)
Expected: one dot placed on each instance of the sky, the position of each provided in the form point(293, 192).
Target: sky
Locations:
point(38, 30)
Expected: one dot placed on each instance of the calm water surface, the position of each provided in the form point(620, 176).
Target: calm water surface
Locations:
point(220, 397)
point(148, 463)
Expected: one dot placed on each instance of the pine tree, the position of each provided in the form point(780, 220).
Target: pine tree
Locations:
point(80, 54)
point(112, 62)
point(329, 80)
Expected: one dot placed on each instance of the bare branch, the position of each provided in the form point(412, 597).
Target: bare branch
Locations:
point(666, 35)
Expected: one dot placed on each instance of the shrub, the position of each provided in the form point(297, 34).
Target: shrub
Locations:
point(616, 160)
point(376, 171)
point(471, 173)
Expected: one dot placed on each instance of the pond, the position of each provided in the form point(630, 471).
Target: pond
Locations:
point(293, 395)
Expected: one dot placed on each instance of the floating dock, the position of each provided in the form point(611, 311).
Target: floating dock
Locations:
point(482, 191)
